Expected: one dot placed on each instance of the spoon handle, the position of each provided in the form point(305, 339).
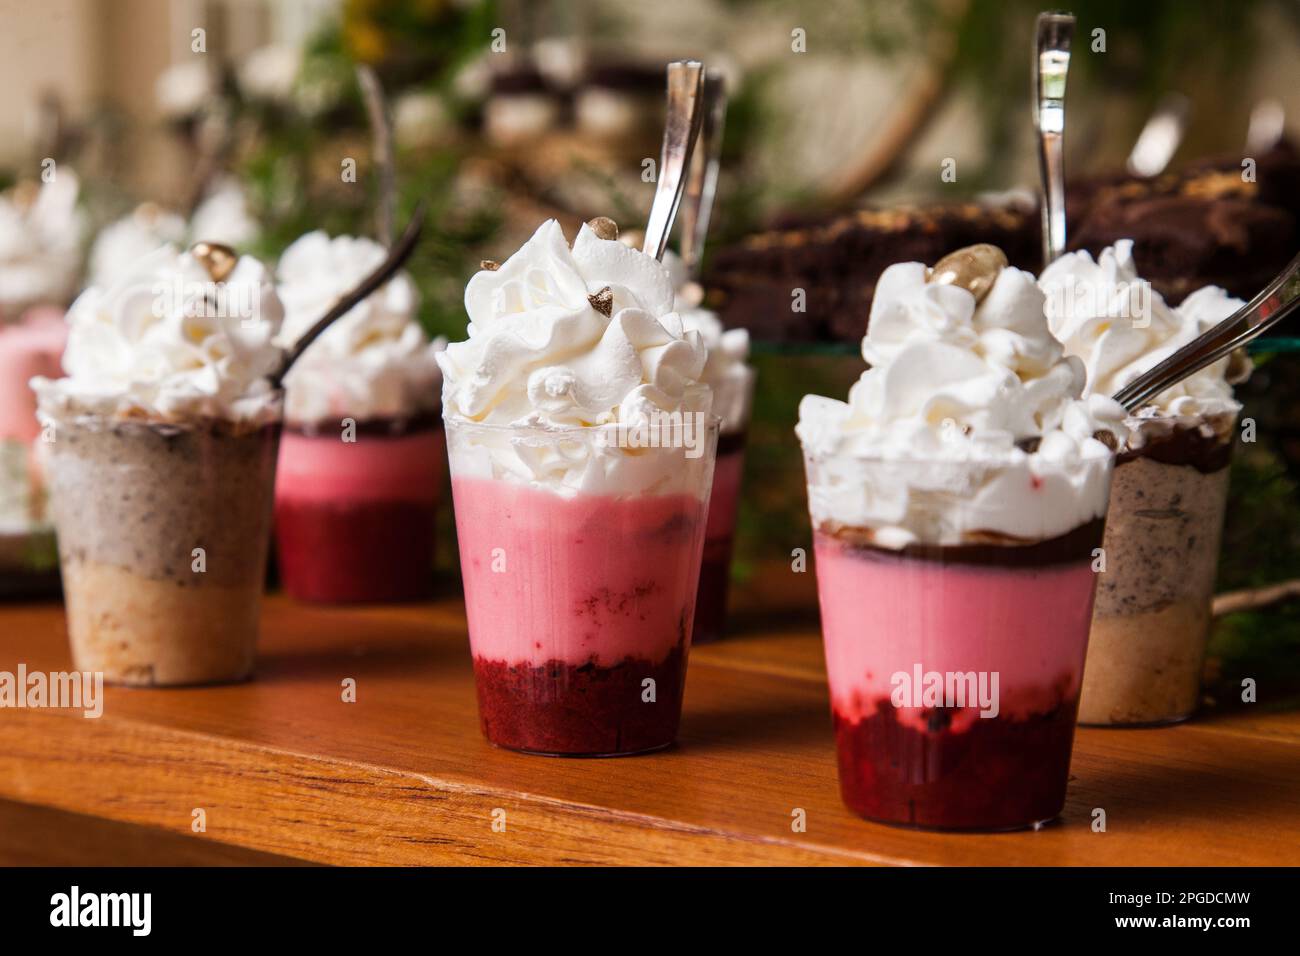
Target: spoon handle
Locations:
point(1277, 300)
point(702, 184)
point(1051, 66)
point(1160, 137)
point(681, 130)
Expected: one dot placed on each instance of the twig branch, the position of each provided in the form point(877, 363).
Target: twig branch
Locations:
point(1250, 599)
point(381, 129)
point(210, 143)
point(397, 256)
point(921, 101)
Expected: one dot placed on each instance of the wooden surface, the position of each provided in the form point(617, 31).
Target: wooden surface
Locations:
point(282, 766)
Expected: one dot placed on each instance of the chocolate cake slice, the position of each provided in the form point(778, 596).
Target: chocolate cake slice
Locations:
point(837, 262)
point(1183, 242)
point(1204, 225)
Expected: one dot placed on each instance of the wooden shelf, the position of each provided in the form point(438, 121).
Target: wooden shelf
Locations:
point(283, 767)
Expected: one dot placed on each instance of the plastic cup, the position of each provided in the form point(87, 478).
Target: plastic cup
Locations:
point(163, 532)
point(580, 597)
point(1152, 620)
point(734, 402)
point(954, 671)
point(355, 518)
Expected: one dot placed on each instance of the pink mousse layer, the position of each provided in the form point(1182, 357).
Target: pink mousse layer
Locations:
point(587, 578)
point(726, 495)
point(324, 468)
point(30, 347)
point(882, 614)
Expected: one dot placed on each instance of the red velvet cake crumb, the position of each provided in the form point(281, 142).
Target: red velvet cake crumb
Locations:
point(337, 552)
point(581, 709)
point(997, 773)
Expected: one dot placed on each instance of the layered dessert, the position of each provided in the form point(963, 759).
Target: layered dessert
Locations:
point(1169, 495)
point(41, 231)
point(361, 458)
point(957, 500)
point(727, 373)
point(162, 447)
point(29, 564)
point(581, 460)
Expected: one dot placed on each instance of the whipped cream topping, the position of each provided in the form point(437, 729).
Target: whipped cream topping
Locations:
point(41, 230)
point(121, 244)
point(726, 370)
point(166, 343)
point(373, 363)
point(224, 216)
point(1121, 327)
point(575, 338)
point(971, 409)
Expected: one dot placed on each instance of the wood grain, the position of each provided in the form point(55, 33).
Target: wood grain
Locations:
point(39, 836)
point(283, 766)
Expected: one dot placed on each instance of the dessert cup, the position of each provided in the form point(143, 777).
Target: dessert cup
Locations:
point(163, 532)
point(1001, 623)
point(580, 599)
point(28, 560)
point(354, 520)
point(724, 503)
point(1152, 617)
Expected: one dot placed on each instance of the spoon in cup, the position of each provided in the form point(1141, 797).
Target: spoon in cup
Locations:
point(1274, 303)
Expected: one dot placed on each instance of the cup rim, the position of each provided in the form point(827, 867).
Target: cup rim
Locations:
point(712, 423)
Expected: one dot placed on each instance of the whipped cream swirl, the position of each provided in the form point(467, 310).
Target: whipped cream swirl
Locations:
point(41, 230)
point(124, 242)
point(1121, 327)
point(164, 342)
point(373, 363)
point(726, 371)
point(224, 216)
point(584, 337)
point(972, 410)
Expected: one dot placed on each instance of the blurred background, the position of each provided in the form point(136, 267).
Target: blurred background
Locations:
point(234, 121)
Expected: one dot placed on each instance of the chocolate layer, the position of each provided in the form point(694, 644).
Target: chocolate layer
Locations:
point(994, 550)
point(1183, 445)
point(387, 427)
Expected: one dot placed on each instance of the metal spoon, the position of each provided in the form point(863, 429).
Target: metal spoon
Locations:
point(1160, 137)
point(681, 130)
point(1278, 300)
point(702, 185)
point(1051, 65)
point(1267, 127)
